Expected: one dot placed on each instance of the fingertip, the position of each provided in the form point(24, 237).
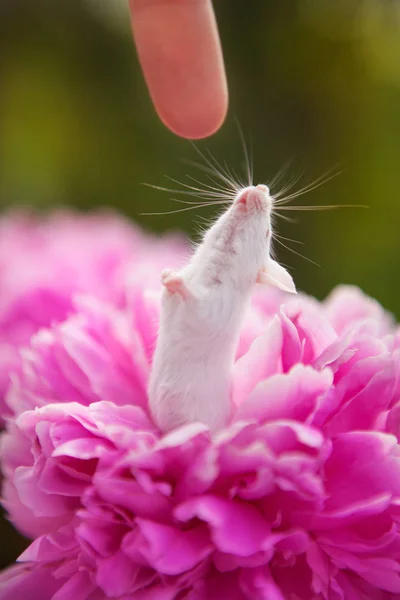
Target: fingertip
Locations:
point(196, 123)
point(198, 120)
point(181, 57)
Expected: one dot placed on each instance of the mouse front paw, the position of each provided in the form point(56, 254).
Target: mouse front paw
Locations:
point(174, 283)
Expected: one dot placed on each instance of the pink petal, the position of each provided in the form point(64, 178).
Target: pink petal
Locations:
point(314, 329)
point(261, 361)
point(116, 575)
point(347, 305)
point(362, 465)
point(27, 582)
point(219, 587)
point(171, 551)
point(78, 587)
point(259, 585)
point(363, 410)
point(293, 395)
point(247, 537)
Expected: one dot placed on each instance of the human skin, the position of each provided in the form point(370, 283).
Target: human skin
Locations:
point(180, 53)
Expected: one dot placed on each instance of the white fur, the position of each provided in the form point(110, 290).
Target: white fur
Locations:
point(202, 313)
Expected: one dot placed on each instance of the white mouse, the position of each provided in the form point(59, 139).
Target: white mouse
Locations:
point(202, 309)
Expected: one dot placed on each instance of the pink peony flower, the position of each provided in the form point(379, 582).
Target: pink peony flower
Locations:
point(66, 253)
point(297, 499)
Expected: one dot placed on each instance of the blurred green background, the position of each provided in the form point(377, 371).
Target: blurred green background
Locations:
point(314, 82)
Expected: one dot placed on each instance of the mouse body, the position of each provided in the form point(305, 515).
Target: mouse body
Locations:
point(202, 309)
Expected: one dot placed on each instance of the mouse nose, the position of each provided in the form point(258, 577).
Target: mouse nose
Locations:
point(256, 196)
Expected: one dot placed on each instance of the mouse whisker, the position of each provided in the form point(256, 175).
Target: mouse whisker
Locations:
point(212, 175)
point(202, 224)
point(198, 203)
point(192, 187)
point(282, 237)
point(178, 210)
point(213, 168)
point(216, 169)
point(289, 185)
point(231, 174)
point(234, 189)
point(228, 170)
point(297, 253)
point(204, 220)
point(193, 192)
point(201, 194)
point(331, 174)
point(220, 189)
point(217, 187)
point(230, 186)
point(219, 167)
point(303, 207)
point(284, 217)
point(248, 156)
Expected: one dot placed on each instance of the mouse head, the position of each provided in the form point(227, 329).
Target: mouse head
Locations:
point(247, 219)
point(251, 214)
point(244, 230)
point(242, 235)
point(253, 200)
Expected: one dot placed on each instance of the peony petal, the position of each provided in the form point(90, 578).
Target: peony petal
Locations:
point(292, 350)
point(116, 575)
point(28, 582)
point(219, 587)
point(78, 587)
point(321, 568)
point(363, 410)
point(41, 503)
point(48, 548)
point(349, 514)
point(259, 585)
point(293, 395)
point(314, 330)
point(262, 360)
point(171, 551)
point(247, 537)
point(362, 465)
point(347, 305)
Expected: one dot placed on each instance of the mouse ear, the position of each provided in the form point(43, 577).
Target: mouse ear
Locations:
point(277, 276)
